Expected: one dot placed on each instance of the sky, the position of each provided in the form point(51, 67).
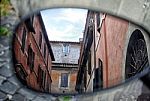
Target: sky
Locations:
point(64, 24)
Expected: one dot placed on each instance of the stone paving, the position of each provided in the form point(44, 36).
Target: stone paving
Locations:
point(12, 90)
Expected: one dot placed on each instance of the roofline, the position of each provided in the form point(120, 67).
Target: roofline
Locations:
point(46, 37)
point(64, 42)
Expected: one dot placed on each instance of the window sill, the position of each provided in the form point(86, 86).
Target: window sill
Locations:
point(64, 88)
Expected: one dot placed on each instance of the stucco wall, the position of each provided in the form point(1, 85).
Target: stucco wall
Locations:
point(111, 48)
point(56, 76)
point(72, 56)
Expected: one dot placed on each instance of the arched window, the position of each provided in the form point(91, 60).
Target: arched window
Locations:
point(137, 56)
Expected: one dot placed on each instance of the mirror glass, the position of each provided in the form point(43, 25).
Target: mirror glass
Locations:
point(75, 51)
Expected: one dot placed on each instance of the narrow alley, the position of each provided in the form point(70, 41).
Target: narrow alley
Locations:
point(106, 52)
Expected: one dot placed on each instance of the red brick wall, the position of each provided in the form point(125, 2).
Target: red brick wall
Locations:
point(33, 40)
point(111, 48)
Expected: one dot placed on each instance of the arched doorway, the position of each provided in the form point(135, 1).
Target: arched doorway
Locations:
point(136, 56)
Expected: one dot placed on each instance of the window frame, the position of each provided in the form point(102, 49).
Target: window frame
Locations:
point(67, 83)
point(98, 76)
point(44, 50)
point(24, 35)
point(40, 40)
point(89, 63)
point(41, 77)
point(31, 58)
point(65, 48)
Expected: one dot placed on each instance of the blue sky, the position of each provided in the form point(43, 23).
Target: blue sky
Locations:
point(64, 24)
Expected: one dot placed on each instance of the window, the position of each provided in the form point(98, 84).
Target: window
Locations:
point(85, 79)
point(98, 19)
point(29, 25)
point(44, 79)
point(65, 48)
point(47, 85)
point(64, 80)
point(31, 56)
point(44, 50)
point(40, 40)
point(89, 63)
point(98, 79)
point(137, 55)
point(41, 77)
point(22, 74)
point(23, 39)
point(40, 73)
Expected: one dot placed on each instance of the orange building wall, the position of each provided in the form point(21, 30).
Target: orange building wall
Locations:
point(110, 49)
point(56, 74)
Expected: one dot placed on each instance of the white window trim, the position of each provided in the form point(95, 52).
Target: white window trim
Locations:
point(64, 51)
point(59, 85)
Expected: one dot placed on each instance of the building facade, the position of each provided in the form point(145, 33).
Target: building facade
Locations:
point(33, 55)
point(111, 51)
point(65, 66)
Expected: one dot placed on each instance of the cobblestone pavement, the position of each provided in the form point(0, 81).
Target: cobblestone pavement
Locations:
point(12, 90)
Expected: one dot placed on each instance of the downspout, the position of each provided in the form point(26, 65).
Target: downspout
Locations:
point(93, 27)
point(94, 42)
point(94, 49)
point(94, 31)
point(106, 52)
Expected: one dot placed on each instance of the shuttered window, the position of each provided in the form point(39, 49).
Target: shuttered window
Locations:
point(98, 19)
point(41, 77)
point(89, 63)
point(98, 80)
point(44, 50)
point(23, 39)
point(40, 74)
point(40, 40)
point(44, 79)
point(31, 56)
point(22, 74)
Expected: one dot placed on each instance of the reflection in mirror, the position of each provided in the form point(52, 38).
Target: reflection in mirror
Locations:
point(73, 51)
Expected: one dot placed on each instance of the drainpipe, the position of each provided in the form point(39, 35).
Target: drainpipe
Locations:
point(106, 52)
point(94, 48)
point(94, 42)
